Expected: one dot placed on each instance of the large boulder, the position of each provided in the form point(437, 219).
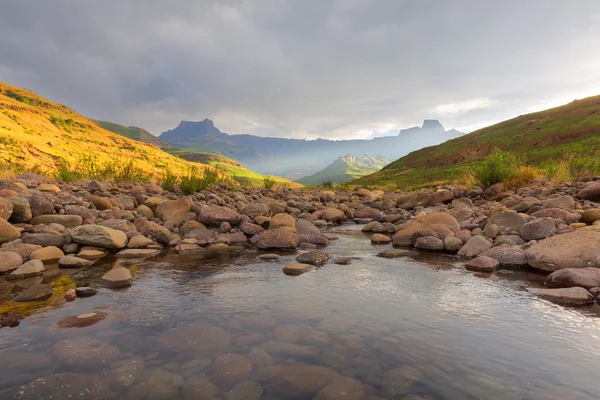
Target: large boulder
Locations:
point(173, 210)
point(539, 229)
point(482, 264)
point(159, 232)
point(568, 216)
point(579, 249)
point(214, 215)
point(117, 278)
point(475, 246)
point(276, 239)
point(6, 208)
point(68, 221)
point(564, 202)
point(9, 261)
point(296, 381)
point(21, 210)
point(8, 232)
point(101, 236)
point(590, 216)
point(333, 215)
point(574, 296)
point(570, 277)
point(440, 223)
point(508, 220)
point(40, 205)
point(590, 192)
point(282, 220)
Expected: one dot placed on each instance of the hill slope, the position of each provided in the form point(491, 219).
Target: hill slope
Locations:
point(278, 156)
point(541, 137)
point(36, 133)
point(345, 169)
point(132, 132)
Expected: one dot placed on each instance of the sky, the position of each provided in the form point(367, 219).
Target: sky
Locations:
point(335, 69)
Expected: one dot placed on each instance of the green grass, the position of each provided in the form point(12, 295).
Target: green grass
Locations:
point(132, 132)
point(542, 140)
point(345, 169)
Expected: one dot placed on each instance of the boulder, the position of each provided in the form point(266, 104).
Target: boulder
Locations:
point(378, 238)
point(70, 261)
point(366, 212)
point(214, 215)
point(575, 296)
point(47, 254)
point(101, 203)
point(22, 249)
point(475, 246)
point(40, 205)
point(6, 208)
point(314, 257)
point(117, 278)
point(507, 255)
point(577, 249)
point(282, 220)
point(139, 242)
point(9, 261)
point(590, 216)
point(21, 210)
point(37, 292)
point(27, 270)
point(508, 220)
point(439, 196)
point(296, 269)
point(333, 215)
point(398, 381)
point(482, 264)
point(564, 202)
point(101, 236)
point(568, 216)
point(276, 239)
point(8, 232)
point(570, 277)
point(254, 210)
point(429, 243)
point(173, 210)
point(342, 388)
point(52, 238)
point(539, 229)
point(296, 381)
point(230, 369)
point(160, 233)
point(68, 221)
point(590, 192)
point(410, 200)
point(452, 244)
point(440, 223)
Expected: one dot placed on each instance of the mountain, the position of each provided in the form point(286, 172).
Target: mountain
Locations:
point(132, 132)
point(36, 133)
point(345, 169)
point(541, 138)
point(278, 156)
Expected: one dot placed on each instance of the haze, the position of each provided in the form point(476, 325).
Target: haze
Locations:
point(303, 69)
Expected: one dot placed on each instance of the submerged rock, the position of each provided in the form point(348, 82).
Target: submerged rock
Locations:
point(117, 278)
point(37, 292)
point(294, 382)
point(85, 353)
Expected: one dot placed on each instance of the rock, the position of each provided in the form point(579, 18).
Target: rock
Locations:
point(254, 210)
point(82, 320)
point(410, 200)
point(22, 249)
point(269, 257)
point(258, 322)
point(101, 203)
point(283, 351)
point(101, 236)
point(85, 353)
point(138, 253)
point(366, 212)
point(586, 278)
point(575, 296)
point(439, 196)
point(429, 243)
point(539, 229)
point(260, 358)
point(398, 381)
point(85, 291)
point(590, 216)
point(198, 388)
point(378, 238)
point(37, 292)
point(160, 385)
point(6, 208)
point(343, 260)
point(333, 215)
point(214, 215)
point(230, 369)
point(139, 242)
point(40, 205)
point(287, 334)
point(160, 233)
point(70, 295)
point(9, 261)
point(569, 250)
point(452, 244)
point(247, 390)
point(125, 373)
point(475, 246)
point(282, 221)
point(21, 210)
point(48, 254)
point(55, 239)
point(11, 320)
point(296, 269)
point(145, 211)
point(567, 216)
point(27, 270)
point(591, 192)
point(214, 340)
point(173, 210)
point(507, 220)
point(440, 223)
point(294, 382)
point(507, 255)
point(342, 388)
point(482, 264)
point(119, 225)
point(276, 239)
point(65, 385)
point(70, 261)
point(396, 253)
point(314, 257)
point(564, 202)
point(117, 278)
point(8, 232)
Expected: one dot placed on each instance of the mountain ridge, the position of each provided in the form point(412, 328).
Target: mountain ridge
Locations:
point(346, 168)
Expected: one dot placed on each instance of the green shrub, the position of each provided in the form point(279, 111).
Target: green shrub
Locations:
point(498, 167)
point(583, 166)
point(19, 97)
point(169, 180)
point(190, 182)
point(269, 182)
point(327, 184)
point(68, 173)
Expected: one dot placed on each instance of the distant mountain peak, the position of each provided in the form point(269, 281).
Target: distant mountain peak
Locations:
point(429, 126)
point(433, 124)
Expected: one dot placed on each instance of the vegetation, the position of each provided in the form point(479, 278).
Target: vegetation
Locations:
point(169, 180)
point(559, 144)
point(345, 169)
point(497, 167)
point(132, 132)
point(269, 182)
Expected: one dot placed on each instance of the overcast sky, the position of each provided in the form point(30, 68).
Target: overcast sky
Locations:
point(304, 68)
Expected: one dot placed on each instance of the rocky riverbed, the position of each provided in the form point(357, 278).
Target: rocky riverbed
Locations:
point(66, 249)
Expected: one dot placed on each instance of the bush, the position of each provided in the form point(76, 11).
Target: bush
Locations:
point(524, 176)
point(327, 184)
point(497, 167)
point(169, 180)
point(190, 182)
point(269, 182)
point(68, 173)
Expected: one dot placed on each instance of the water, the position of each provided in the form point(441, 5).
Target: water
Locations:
point(452, 334)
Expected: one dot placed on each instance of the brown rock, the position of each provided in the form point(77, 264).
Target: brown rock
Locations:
point(230, 369)
point(294, 382)
point(296, 269)
point(482, 264)
point(569, 277)
point(575, 296)
point(37, 292)
point(117, 278)
point(570, 250)
point(7, 232)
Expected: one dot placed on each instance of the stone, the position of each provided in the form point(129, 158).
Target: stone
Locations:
point(452, 244)
point(539, 229)
point(117, 278)
point(342, 388)
point(260, 358)
point(6, 208)
point(45, 239)
point(21, 210)
point(296, 381)
point(9, 261)
point(282, 220)
point(440, 223)
point(366, 212)
point(296, 269)
point(186, 339)
point(139, 242)
point(70, 295)
point(22, 249)
point(85, 291)
point(590, 216)
point(173, 210)
point(101, 236)
point(507, 220)
point(568, 216)
point(343, 261)
point(276, 239)
point(564, 202)
point(378, 238)
point(81, 320)
point(70, 261)
point(397, 253)
point(144, 211)
point(230, 369)
point(85, 353)
point(287, 334)
point(590, 192)
point(398, 381)
point(507, 255)
point(11, 320)
point(8, 233)
point(429, 243)
point(482, 264)
point(65, 385)
point(247, 390)
point(198, 388)
point(214, 215)
point(137, 253)
point(333, 215)
point(119, 225)
point(439, 196)
point(314, 257)
point(475, 246)
point(47, 255)
point(37, 292)
point(125, 373)
point(569, 250)
point(162, 384)
point(40, 205)
point(160, 233)
point(574, 296)
point(586, 278)
point(101, 203)
point(27, 270)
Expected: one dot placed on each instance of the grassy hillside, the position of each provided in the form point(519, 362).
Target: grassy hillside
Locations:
point(541, 139)
point(345, 169)
point(37, 134)
point(233, 168)
point(132, 132)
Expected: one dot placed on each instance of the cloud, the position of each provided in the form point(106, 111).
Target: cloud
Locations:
point(305, 68)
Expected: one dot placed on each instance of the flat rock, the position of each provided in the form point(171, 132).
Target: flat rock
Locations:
point(314, 257)
point(396, 253)
point(117, 278)
point(85, 291)
point(475, 246)
point(577, 249)
point(101, 236)
point(137, 253)
point(296, 269)
point(27, 270)
point(574, 296)
point(85, 353)
point(9, 261)
point(82, 320)
point(378, 238)
point(586, 278)
point(507, 255)
point(276, 239)
point(70, 261)
point(37, 292)
point(68, 221)
point(48, 254)
point(482, 264)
